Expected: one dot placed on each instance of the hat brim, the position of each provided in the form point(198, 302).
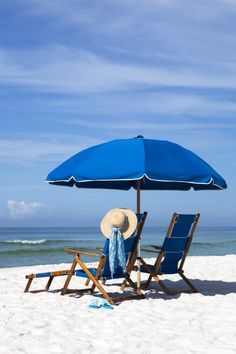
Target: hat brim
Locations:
point(132, 222)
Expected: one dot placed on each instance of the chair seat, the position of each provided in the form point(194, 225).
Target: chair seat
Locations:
point(42, 275)
point(170, 270)
point(81, 272)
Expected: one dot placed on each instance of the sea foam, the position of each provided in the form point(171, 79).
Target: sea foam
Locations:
point(25, 242)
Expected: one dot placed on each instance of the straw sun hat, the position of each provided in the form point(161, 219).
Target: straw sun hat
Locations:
point(124, 219)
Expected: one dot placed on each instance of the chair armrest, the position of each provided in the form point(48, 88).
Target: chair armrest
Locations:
point(74, 252)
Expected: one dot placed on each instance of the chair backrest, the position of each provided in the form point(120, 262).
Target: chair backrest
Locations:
point(177, 242)
point(130, 245)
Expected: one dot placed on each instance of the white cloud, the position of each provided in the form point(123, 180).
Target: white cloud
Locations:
point(22, 209)
point(68, 70)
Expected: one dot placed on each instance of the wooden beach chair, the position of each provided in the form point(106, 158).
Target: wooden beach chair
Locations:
point(171, 256)
point(102, 273)
point(50, 275)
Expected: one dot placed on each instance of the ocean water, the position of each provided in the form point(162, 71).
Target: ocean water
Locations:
point(31, 246)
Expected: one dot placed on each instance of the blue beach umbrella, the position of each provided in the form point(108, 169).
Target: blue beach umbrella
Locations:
point(139, 163)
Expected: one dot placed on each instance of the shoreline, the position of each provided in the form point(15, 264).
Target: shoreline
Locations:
point(51, 323)
point(93, 264)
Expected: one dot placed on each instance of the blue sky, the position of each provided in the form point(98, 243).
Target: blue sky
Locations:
point(78, 73)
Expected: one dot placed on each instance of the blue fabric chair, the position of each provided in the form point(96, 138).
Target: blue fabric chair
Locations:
point(102, 273)
point(172, 254)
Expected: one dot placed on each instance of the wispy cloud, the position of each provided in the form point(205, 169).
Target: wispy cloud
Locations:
point(199, 32)
point(143, 125)
point(49, 147)
point(22, 209)
point(137, 45)
point(62, 69)
point(157, 103)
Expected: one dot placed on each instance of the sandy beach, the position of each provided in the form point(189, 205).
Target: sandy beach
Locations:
point(186, 323)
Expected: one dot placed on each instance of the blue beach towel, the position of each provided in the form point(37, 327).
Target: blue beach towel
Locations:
point(116, 250)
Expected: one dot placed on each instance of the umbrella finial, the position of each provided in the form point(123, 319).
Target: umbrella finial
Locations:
point(139, 137)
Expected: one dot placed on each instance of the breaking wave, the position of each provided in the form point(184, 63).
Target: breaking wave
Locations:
point(25, 242)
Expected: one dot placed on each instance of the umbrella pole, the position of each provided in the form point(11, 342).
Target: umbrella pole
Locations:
point(138, 196)
point(138, 249)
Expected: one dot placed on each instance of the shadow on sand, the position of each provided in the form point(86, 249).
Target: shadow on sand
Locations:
point(205, 287)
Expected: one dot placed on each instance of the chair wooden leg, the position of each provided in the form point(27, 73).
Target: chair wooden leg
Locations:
point(99, 269)
point(134, 286)
point(49, 283)
point(156, 267)
point(188, 282)
point(94, 280)
point(96, 283)
point(69, 276)
point(155, 276)
point(148, 282)
point(28, 285)
point(129, 270)
point(148, 269)
point(123, 285)
point(161, 284)
point(87, 282)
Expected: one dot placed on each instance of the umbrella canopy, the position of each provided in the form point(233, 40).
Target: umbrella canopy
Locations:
point(119, 164)
point(139, 163)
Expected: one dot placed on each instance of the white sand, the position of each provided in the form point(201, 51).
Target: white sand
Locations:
point(190, 323)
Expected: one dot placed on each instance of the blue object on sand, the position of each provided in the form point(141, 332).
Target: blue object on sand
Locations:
point(100, 303)
point(119, 164)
